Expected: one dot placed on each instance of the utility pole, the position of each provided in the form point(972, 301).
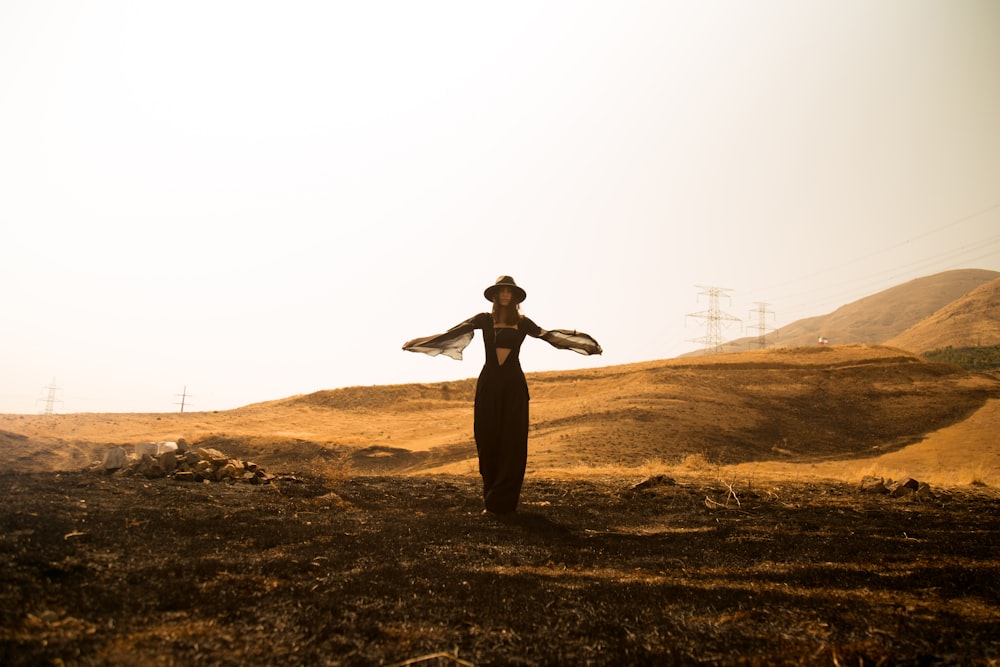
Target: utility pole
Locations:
point(761, 326)
point(713, 317)
point(184, 397)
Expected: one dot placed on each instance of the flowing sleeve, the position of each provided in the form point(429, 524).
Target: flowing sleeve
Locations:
point(564, 339)
point(450, 343)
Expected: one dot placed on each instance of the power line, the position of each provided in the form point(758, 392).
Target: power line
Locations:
point(847, 290)
point(875, 253)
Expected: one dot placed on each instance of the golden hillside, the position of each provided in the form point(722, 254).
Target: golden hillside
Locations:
point(876, 319)
point(970, 321)
point(801, 404)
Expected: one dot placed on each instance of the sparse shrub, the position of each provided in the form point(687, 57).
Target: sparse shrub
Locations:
point(696, 463)
point(981, 358)
point(334, 467)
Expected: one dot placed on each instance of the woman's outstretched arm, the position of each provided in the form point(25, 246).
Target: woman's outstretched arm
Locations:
point(450, 343)
point(565, 339)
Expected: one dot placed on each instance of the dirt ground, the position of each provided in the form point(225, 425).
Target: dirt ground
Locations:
point(375, 570)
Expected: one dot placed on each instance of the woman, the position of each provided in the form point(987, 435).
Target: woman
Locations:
point(501, 408)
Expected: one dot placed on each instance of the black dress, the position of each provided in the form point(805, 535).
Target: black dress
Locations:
point(501, 408)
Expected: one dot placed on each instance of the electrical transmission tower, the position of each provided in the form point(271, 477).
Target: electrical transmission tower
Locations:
point(761, 326)
point(50, 398)
point(713, 318)
point(184, 396)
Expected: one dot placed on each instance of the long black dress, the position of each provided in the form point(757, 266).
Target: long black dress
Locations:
point(501, 408)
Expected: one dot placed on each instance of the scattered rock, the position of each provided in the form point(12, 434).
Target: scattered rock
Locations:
point(114, 459)
point(897, 489)
point(871, 484)
point(168, 461)
point(902, 488)
point(205, 470)
point(150, 467)
point(214, 455)
point(162, 447)
point(144, 448)
point(229, 470)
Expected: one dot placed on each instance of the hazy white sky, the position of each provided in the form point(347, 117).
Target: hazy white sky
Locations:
point(260, 199)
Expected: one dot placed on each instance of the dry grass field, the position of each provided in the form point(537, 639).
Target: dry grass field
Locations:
point(750, 541)
point(818, 412)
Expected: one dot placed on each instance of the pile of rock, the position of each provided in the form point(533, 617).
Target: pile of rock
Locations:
point(901, 489)
point(183, 463)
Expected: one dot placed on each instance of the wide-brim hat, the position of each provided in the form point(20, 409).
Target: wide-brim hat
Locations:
point(505, 281)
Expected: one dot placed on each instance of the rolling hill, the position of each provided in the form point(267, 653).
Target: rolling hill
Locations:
point(803, 405)
point(789, 405)
point(970, 321)
point(877, 319)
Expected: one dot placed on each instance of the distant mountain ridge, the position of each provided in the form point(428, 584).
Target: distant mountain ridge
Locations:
point(882, 318)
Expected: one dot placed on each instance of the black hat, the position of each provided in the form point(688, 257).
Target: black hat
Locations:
point(505, 281)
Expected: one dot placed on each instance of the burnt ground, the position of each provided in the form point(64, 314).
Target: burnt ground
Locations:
point(366, 570)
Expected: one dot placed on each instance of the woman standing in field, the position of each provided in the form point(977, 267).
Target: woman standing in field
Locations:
point(501, 407)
